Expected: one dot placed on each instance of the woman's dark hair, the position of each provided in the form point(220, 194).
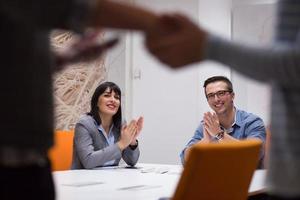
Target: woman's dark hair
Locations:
point(117, 118)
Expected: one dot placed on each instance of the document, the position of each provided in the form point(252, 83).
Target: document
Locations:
point(82, 183)
point(139, 187)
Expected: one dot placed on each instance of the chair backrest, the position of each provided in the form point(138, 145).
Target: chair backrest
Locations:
point(61, 153)
point(219, 171)
point(267, 147)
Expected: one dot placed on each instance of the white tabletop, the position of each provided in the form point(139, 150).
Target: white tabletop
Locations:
point(146, 181)
point(258, 182)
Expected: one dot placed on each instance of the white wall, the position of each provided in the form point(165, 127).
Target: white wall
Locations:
point(253, 23)
point(115, 62)
point(168, 100)
point(172, 102)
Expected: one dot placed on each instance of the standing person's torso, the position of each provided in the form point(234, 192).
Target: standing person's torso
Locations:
point(26, 108)
point(26, 67)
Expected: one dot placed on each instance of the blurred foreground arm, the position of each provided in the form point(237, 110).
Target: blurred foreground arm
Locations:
point(105, 13)
point(188, 43)
point(86, 49)
point(184, 45)
point(112, 14)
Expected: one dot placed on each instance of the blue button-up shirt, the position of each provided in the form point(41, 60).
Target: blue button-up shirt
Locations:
point(110, 139)
point(246, 125)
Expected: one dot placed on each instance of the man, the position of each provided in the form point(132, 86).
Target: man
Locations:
point(226, 123)
point(27, 64)
point(278, 65)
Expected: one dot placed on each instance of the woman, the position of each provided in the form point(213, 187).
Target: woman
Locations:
point(99, 139)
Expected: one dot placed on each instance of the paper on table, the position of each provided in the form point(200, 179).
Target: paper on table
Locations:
point(161, 170)
point(80, 184)
point(117, 167)
point(107, 167)
point(139, 187)
point(148, 170)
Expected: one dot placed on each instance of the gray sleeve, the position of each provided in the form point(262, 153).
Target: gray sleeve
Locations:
point(86, 150)
point(47, 14)
point(131, 156)
point(278, 63)
point(288, 21)
point(265, 64)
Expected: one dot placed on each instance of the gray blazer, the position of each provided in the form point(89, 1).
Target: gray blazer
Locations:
point(90, 148)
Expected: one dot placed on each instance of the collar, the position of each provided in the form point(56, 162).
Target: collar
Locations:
point(237, 118)
point(101, 129)
point(237, 121)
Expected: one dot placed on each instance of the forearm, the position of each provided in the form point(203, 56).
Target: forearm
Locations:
point(91, 159)
point(187, 151)
point(228, 137)
point(198, 136)
point(112, 14)
point(131, 156)
point(263, 64)
point(262, 149)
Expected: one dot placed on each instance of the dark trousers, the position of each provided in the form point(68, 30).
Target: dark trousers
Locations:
point(30, 182)
point(264, 196)
point(283, 198)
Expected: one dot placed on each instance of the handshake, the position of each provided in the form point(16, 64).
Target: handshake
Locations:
point(176, 41)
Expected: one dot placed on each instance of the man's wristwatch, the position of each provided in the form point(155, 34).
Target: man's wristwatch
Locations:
point(219, 136)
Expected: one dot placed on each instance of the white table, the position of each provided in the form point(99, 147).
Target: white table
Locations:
point(147, 182)
point(258, 182)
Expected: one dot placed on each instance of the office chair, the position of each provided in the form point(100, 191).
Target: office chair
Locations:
point(61, 153)
point(219, 171)
point(267, 146)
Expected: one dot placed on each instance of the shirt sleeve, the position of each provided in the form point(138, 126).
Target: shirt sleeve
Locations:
point(264, 64)
point(279, 62)
point(198, 135)
point(131, 156)
point(288, 22)
point(256, 129)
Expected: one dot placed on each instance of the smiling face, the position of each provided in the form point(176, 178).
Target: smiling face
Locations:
point(109, 102)
point(219, 97)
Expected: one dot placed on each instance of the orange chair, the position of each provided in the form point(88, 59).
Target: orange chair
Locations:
point(60, 154)
point(218, 171)
point(267, 146)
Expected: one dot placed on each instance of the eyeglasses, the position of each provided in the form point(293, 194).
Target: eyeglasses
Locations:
point(219, 94)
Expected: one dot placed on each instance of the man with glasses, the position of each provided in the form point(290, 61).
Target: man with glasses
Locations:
point(226, 122)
